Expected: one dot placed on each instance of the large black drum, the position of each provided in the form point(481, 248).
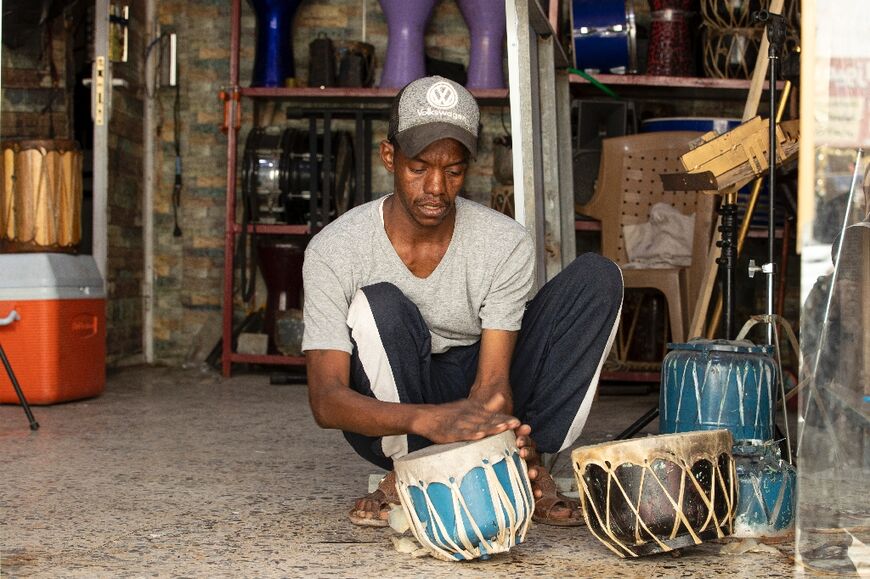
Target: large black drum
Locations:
point(277, 171)
point(658, 493)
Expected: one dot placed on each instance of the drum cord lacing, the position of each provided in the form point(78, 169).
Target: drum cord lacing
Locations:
point(709, 502)
point(741, 380)
point(502, 505)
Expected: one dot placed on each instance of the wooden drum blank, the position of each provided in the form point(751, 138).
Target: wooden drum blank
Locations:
point(41, 195)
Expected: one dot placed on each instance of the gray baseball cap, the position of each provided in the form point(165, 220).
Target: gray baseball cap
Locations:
point(433, 108)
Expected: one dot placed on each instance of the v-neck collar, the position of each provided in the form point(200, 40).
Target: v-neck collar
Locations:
point(397, 260)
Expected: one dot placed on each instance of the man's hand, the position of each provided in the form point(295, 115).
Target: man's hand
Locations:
point(465, 420)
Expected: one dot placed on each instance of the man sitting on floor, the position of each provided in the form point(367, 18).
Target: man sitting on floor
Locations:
point(418, 324)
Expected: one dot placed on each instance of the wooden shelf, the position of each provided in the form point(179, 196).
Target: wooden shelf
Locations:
point(273, 229)
point(357, 95)
point(268, 359)
point(684, 87)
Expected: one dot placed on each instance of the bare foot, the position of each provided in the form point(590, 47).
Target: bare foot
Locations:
point(373, 510)
point(551, 507)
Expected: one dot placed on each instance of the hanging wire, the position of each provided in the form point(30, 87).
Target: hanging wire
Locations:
point(176, 189)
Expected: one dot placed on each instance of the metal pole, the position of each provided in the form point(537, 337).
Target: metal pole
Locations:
point(638, 424)
point(34, 425)
point(771, 187)
point(101, 88)
point(231, 110)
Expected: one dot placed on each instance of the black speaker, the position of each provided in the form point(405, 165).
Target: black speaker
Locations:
point(592, 121)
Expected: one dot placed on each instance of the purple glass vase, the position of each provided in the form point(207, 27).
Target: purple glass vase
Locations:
point(486, 23)
point(273, 60)
point(406, 28)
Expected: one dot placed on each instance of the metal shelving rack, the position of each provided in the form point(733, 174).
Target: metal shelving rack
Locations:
point(232, 95)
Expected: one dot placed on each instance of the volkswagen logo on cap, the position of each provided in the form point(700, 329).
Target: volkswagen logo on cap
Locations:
point(442, 95)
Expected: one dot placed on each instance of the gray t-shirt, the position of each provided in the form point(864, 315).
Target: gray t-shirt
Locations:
point(483, 280)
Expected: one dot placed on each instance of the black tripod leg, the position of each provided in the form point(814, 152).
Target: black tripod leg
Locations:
point(638, 424)
point(33, 423)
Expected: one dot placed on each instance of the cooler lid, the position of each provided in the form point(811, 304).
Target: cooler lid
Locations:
point(705, 345)
point(37, 271)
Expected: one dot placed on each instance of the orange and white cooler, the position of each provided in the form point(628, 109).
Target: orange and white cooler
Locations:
point(56, 341)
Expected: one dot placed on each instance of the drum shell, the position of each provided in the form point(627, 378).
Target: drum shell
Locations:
point(280, 261)
point(277, 171)
point(713, 384)
point(486, 26)
point(604, 36)
point(41, 196)
point(450, 476)
point(658, 493)
point(766, 491)
point(405, 60)
point(274, 64)
point(670, 42)
point(704, 124)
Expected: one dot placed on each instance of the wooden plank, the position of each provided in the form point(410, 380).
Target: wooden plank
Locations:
point(760, 71)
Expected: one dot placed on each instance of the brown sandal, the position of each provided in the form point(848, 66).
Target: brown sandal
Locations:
point(386, 496)
point(551, 500)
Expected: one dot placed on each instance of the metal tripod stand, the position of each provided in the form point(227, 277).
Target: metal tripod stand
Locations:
point(34, 425)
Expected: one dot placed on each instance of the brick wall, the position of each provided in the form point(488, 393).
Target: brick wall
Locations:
point(125, 258)
point(189, 268)
point(36, 91)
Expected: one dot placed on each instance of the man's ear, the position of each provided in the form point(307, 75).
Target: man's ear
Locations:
point(388, 156)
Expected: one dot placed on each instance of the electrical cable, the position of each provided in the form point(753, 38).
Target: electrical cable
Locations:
point(595, 82)
point(150, 91)
point(176, 189)
point(246, 254)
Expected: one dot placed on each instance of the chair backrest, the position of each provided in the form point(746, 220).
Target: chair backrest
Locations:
point(629, 185)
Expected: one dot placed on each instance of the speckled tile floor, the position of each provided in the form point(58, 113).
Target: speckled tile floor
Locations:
point(179, 473)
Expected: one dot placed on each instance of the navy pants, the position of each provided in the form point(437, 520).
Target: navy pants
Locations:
point(566, 333)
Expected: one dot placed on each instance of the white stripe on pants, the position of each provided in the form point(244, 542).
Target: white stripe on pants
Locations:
point(373, 357)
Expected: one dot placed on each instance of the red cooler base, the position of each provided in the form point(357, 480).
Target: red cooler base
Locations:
point(57, 349)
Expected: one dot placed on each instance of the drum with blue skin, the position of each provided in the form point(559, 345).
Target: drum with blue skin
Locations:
point(705, 124)
point(605, 36)
point(273, 59)
point(467, 500)
point(713, 384)
point(766, 490)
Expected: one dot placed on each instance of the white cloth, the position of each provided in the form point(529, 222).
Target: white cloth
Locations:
point(662, 242)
